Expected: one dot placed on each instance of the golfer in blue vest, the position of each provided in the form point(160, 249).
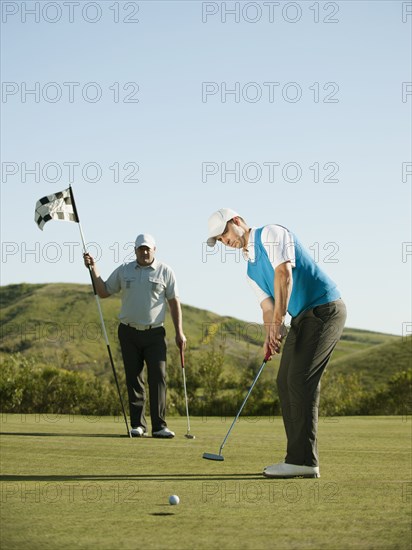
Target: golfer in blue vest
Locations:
point(286, 279)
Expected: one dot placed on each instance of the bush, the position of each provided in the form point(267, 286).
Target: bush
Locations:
point(263, 401)
point(340, 394)
point(396, 398)
point(27, 387)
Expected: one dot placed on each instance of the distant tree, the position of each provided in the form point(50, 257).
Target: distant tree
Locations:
point(395, 398)
point(341, 394)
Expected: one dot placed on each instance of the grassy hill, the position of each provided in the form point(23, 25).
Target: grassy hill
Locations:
point(377, 363)
point(58, 324)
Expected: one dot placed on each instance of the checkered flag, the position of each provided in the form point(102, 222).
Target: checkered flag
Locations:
point(61, 206)
point(58, 206)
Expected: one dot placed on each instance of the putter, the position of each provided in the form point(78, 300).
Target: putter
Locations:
point(188, 435)
point(220, 457)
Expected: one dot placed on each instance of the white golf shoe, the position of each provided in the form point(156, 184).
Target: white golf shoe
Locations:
point(138, 432)
point(164, 433)
point(283, 471)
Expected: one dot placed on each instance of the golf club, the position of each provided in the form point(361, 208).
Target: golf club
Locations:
point(182, 361)
point(219, 457)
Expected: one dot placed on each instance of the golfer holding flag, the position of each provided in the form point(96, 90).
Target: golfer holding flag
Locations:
point(286, 279)
point(146, 284)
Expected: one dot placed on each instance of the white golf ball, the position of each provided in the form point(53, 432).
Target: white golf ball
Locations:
point(174, 499)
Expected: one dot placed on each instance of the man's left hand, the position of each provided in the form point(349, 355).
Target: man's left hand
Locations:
point(277, 332)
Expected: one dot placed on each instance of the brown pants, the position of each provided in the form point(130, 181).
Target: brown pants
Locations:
point(138, 347)
point(311, 340)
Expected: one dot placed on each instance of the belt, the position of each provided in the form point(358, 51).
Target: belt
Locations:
point(142, 327)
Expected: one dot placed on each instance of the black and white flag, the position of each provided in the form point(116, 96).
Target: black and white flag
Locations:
point(58, 206)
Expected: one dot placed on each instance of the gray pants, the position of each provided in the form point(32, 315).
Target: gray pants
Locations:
point(312, 337)
point(139, 347)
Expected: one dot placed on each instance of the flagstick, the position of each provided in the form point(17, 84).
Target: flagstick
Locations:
point(100, 313)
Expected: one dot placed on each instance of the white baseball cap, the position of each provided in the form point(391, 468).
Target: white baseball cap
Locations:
point(217, 223)
point(145, 240)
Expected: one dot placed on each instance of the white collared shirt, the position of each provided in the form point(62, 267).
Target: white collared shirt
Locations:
point(280, 247)
point(145, 291)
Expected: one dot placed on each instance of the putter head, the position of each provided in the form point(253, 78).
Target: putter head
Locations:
point(211, 456)
point(189, 436)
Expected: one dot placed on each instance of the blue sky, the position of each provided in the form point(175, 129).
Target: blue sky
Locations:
point(313, 102)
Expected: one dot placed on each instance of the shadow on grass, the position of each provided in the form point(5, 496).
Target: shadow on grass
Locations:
point(162, 513)
point(130, 477)
point(60, 434)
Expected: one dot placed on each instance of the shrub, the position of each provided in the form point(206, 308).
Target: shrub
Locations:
point(27, 387)
point(340, 394)
point(395, 398)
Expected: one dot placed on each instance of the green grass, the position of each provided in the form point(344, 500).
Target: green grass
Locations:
point(76, 482)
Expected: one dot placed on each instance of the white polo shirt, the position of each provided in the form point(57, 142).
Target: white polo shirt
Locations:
point(144, 291)
point(280, 247)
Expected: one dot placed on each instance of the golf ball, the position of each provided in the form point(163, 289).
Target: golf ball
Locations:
point(174, 499)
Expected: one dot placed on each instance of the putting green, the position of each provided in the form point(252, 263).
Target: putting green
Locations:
point(79, 482)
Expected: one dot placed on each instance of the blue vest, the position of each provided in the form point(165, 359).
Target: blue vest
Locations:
point(311, 286)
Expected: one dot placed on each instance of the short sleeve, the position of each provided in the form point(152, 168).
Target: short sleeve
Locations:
point(113, 283)
point(279, 245)
point(172, 290)
point(260, 294)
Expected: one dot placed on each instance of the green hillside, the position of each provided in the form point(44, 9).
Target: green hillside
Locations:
point(377, 363)
point(58, 324)
point(54, 359)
